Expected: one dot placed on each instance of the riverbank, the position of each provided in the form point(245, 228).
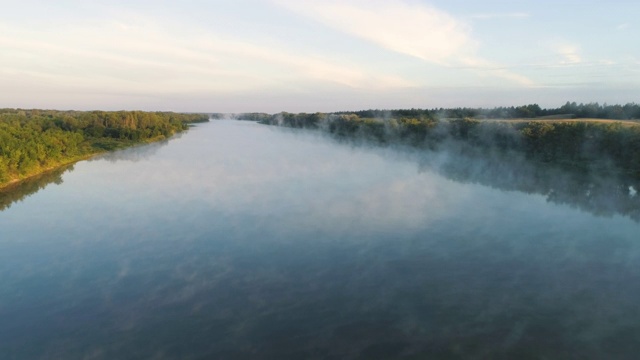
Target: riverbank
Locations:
point(16, 182)
point(595, 144)
point(33, 142)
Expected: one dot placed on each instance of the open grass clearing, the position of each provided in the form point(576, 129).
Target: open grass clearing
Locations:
point(593, 120)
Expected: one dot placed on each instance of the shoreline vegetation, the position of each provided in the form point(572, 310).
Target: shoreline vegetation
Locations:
point(559, 157)
point(584, 137)
point(35, 142)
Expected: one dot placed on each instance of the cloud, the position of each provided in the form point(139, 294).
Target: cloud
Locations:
point(488, 68)
point(141, 56)
point(570, 54)
point(417, 30)
point(607, 62)
point(493, 16)
point(310, 67)
point(413, 29)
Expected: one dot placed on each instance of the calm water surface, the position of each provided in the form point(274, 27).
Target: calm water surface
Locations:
point(242, 241)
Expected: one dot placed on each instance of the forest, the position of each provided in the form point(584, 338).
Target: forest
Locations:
point(33, 141)
point(570, 110)
point(555, 136)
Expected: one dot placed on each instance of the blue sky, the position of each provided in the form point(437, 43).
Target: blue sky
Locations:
point(304, 55)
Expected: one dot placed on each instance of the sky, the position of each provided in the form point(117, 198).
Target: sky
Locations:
point(316, 55)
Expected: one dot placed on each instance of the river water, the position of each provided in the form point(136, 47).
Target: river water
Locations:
point(243, 241)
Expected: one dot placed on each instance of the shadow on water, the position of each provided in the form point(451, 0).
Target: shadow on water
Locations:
point(30, 186)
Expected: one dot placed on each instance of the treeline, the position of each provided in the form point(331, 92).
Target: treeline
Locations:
point(569, 110)
point(34, 140)
point(571, 143)
point(242, 116)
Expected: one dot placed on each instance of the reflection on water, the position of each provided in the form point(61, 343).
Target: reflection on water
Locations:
point(240, 241)
point(603, 194)
point(29, 186)
point(25, 188)
point(136, 153)
point(600, 193)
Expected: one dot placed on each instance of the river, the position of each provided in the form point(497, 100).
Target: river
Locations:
point(238, 240)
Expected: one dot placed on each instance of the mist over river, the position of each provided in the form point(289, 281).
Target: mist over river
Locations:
point(244, 241)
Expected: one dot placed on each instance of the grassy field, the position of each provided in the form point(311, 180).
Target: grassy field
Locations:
point(559, 120)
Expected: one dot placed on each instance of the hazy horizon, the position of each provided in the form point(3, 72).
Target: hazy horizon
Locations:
point(307, 56)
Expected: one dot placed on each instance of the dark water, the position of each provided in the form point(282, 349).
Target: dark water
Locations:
point(242, 241)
